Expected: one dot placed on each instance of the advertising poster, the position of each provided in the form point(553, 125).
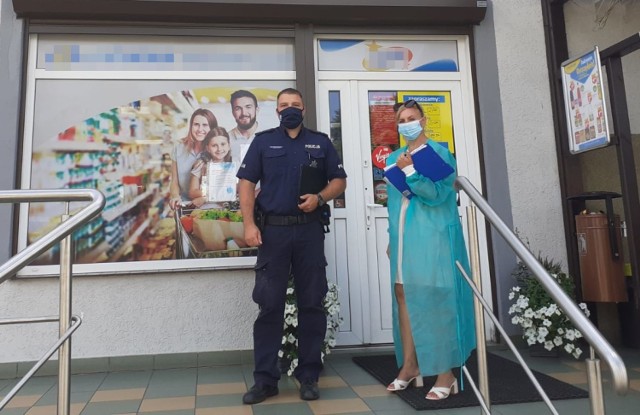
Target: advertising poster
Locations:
point(436, 106)
point(140, 155)
point(384, 138)
point(585, 108)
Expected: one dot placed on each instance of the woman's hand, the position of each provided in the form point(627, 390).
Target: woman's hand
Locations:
point(404, 160)
point(174, 202)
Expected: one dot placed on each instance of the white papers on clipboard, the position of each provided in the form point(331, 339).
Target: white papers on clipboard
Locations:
point(219, 184)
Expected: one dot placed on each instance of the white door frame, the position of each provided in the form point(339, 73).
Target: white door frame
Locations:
point(467, 154)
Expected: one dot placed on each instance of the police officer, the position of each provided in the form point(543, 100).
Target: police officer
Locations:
point(290, 238)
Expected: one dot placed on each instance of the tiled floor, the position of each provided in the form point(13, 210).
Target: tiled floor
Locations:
point(345, 389)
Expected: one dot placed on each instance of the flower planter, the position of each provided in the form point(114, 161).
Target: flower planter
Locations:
point(538, 350)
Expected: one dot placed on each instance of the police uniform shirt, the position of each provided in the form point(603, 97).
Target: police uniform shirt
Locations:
point(275, 160)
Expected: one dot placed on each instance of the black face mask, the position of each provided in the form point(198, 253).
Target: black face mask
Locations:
point(291, 117)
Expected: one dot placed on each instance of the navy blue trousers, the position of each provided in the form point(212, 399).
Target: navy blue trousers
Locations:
point(285, 250)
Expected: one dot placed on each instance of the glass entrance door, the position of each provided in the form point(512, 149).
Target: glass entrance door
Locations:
point(360, 118)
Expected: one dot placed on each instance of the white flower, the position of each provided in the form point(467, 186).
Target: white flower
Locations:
point(289, 348)
point(526, 322)
point(516, 289)
point(557, 341)
point(528, 313)
point(577, 352)
point(551, 310)
point(523, 302)
point(515, 320)
point(569, 347)
point(542, 331)
point(548, 345)
point(531, 341)
point(584, 308)
point(546, 322)
point(560, 331)
point(570, 335)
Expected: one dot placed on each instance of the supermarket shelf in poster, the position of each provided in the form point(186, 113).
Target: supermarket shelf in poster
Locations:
point(131, 241)
point(73, 146)
point(110, 215)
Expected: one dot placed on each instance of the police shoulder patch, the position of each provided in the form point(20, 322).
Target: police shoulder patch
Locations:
point(270, 130)
point(318, 132)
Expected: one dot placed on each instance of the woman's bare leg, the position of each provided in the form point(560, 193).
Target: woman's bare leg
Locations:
point(410, 363)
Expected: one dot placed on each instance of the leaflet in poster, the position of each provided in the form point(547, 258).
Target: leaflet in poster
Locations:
point(221, 182)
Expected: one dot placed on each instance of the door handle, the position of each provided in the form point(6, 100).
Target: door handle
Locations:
point(371, 206)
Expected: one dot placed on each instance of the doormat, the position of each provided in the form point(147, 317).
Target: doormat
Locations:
point(508, 383)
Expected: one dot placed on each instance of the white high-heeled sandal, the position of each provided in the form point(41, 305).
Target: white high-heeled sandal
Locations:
point(400, 385)
point(443, 392)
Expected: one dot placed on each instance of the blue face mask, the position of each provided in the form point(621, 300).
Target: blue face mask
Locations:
point(410, 130)
point(291, 117)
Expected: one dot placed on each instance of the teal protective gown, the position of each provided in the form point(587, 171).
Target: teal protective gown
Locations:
point(439, 300)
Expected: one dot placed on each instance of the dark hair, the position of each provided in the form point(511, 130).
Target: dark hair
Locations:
point(211, 119)
point(289, 91)
point(242, 93)
point(215, 132)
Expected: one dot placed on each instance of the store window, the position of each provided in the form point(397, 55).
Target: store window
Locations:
point(131, 116)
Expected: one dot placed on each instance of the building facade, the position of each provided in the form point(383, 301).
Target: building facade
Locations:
point(97, 94)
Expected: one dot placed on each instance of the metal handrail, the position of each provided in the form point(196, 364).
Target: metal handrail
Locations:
point(30, 253)
point(62, 234)
point(575, 315)
point(525, 367)
point(76, 321)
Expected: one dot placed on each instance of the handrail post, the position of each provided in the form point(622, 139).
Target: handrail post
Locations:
point(64, 354)
point(481, 346)
point(594, 377)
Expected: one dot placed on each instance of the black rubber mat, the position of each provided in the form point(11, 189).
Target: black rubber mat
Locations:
point(508, 383)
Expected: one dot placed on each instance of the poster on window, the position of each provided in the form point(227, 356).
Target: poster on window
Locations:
point(166, 165)
point(585, 106)
point(436, 106)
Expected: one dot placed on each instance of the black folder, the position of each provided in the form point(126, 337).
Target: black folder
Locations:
point(312, 180)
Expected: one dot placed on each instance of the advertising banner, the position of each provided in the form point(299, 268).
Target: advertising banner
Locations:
point(585, 106)
point(166, 165)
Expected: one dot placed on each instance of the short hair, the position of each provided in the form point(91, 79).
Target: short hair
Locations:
point(243, 93)
point(289, 91)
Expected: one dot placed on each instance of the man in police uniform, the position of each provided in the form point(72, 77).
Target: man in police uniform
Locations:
point(290, 237)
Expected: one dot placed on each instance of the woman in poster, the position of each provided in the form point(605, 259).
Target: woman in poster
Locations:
point(433, 325)
point(186, 152)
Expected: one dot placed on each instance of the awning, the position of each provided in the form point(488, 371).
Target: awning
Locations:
point(284, 12)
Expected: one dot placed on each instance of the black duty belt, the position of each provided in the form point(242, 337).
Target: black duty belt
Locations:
point(293, 220)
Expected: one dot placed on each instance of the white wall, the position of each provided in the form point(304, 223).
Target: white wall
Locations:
point(133, 315)
point(532, 165)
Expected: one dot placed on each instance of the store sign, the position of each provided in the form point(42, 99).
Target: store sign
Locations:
point(379, 55)
point(141, 155)
point(585, 106)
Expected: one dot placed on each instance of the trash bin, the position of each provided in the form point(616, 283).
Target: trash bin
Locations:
point(601, 269)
